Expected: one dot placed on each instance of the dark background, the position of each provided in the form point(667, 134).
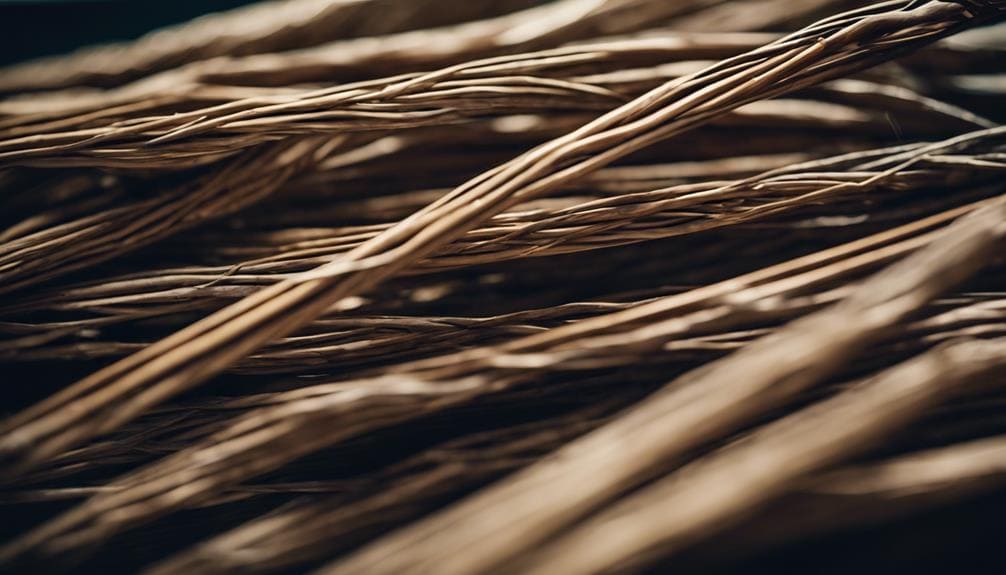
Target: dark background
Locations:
point(29, 29)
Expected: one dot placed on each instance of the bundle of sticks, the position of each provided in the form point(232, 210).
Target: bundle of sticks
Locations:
point(483, 286)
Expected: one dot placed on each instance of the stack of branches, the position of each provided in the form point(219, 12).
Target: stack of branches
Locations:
point(581, 286)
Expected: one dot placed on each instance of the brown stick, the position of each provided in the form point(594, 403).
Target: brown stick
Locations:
point(723, 488)
point(501, 523)
point(831, 48)
point(289, 426)
point(264, 27)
